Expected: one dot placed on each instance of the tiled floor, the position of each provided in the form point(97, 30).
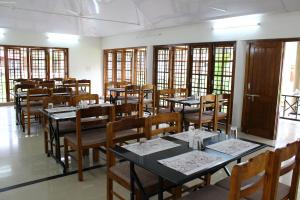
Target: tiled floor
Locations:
point(22, 159)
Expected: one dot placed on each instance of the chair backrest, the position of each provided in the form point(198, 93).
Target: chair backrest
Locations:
point(24, 86)
point(70, 83)
point(164, 123)
point(127, 110)
point(98, 115)
point(83, 86)
point(181, 92)
point(89, 98)
point(247, 170)
point(37, 94)
point(57, 100)
point(37, 80)
point(160, 95)
point(62, 90)
point(291, 156)
point(209, 102)
point(224, 103)
point(114, 134)
point(122, 84)
point(47, 84)
point(132, 91)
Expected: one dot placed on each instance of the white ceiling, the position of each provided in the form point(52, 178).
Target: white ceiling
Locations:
point(110, 17)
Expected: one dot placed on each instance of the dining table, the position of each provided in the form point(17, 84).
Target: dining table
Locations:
point(178, 163)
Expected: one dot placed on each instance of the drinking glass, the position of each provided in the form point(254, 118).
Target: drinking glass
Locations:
point(233, 132)
point(50, 105)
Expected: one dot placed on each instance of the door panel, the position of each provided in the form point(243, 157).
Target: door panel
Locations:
point(261, 92)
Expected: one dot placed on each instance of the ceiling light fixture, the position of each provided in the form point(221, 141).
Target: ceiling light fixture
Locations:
point(62, 38)
point(2, 32)
point(218, 9)
point(249, 21)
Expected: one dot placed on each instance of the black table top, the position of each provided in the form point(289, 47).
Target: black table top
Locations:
point(150, 162)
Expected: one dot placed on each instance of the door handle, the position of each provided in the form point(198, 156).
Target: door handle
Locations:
point(252, 96)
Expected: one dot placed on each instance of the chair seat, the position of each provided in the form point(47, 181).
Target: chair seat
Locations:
point(148, 180)
point(194, 117)
point(89, 137)
point(283, 189)
point(220, 114)
point(208, 192)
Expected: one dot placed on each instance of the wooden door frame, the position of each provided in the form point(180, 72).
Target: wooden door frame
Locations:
point(244, 116)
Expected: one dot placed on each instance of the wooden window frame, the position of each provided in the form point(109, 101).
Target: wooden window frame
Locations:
point(28, 63)
point(122, 63)
point(211, 64)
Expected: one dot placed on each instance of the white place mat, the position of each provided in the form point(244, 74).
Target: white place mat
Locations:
point(60, 109)
point(150, 146)
point(184, 136)
point(64, 115)
point(191, 162)
point(233, 147)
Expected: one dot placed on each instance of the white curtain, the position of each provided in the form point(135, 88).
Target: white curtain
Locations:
point(297, 69)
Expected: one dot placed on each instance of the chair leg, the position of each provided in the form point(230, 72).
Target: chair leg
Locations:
point(109, 189)
point(28, 124)
point(96, 155)
point(46, 142)
point(207, 179)
point(23, 121)
point(79, 162)
point(66, 153)
point(177, 192)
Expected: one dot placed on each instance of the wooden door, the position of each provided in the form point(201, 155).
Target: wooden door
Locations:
point(261, 93)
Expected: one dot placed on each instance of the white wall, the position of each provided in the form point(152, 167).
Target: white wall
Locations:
point(272, 26)
point(85, 57)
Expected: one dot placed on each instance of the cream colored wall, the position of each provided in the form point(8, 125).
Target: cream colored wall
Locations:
point(85, 57)
point(272, 26)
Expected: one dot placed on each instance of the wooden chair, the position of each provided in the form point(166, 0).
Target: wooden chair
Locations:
point(132, 94)
point(163, 106)
point(87, 139)
point(127, 111)
point(107, 85)
point(223, 111)
point(83, 87)
point(242, 185)
point(148, 93)
point(32, 109)
point(120, 172)
point(172, 120)
point(291, 156)
point(208, 102)
point(277, 168)
point(70, 83)
point(65, 126)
